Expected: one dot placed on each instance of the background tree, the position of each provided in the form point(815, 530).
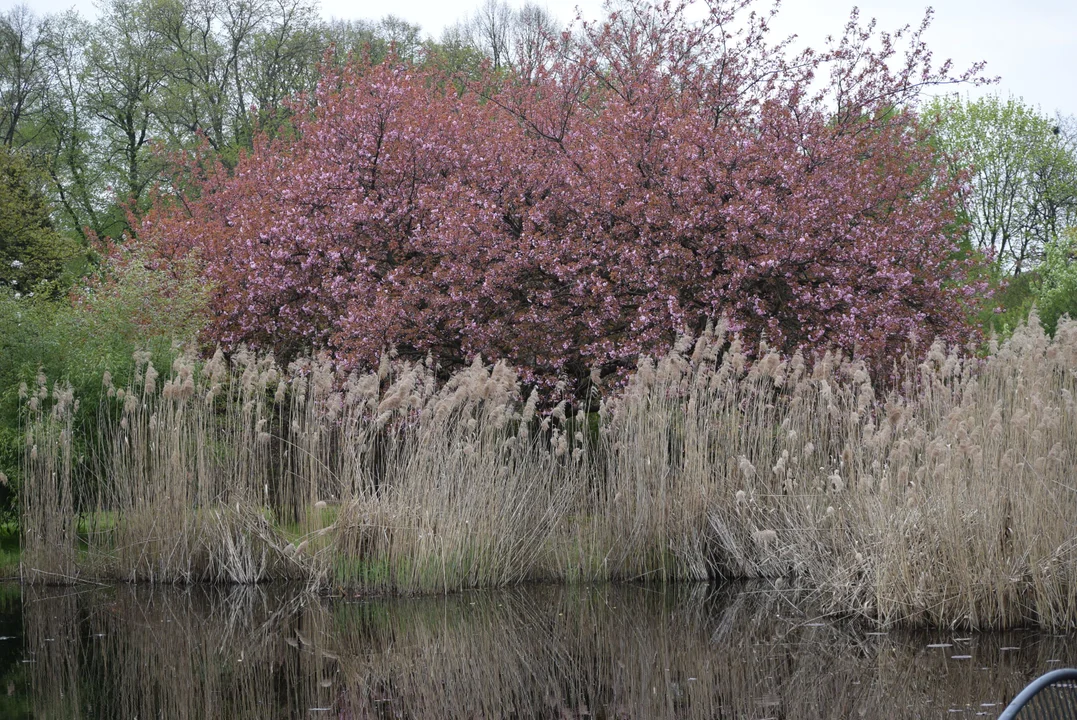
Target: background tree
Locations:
point(105, 100)
point(533, 31)
point(203, 43)
point(282, 60)
point(375, 41)
point(24, 39)
point(508, 37)
point(1056, 292)
point(454, 55)
point(68, 145)
point(1023, 189)
point(33, 256)
point(123, 76)
point(491, 31)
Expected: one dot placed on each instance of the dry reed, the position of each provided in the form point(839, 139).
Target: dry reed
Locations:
point(948, 501)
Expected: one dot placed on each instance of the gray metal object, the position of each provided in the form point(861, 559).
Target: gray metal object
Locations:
point(1049, 697)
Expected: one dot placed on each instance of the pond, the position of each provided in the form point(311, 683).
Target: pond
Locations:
point(610, 651)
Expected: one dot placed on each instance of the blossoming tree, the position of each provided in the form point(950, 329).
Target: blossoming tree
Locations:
point(642, 176)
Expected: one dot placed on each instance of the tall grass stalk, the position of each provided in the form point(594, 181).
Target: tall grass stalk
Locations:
point(946, 501)
point(46, 507)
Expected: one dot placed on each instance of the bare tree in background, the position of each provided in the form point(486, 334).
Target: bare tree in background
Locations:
point(23, 80)
point(281, 59)
point(376, 39)
point(534, 29)
point(491, 31)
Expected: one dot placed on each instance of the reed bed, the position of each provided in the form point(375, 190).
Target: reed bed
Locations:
point(948, 500)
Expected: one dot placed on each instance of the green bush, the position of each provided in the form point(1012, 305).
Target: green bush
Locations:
point(1057, 292)
point(130, 306)
point(1012, 300)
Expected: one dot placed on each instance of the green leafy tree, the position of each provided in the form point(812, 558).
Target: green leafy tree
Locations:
point(223, 57)
point(123, 75)
point(33, 255)
point(455, 56)
point(1022, 188)
point(281, 62)
point(96, 100)
point(68, 143)
point(1057, 292)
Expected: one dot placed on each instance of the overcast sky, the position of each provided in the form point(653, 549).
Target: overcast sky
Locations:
point(1031, 44)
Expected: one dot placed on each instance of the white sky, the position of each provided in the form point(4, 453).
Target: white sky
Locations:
point(1031, 44)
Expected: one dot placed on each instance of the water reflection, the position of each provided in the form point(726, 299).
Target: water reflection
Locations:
point(545, 652)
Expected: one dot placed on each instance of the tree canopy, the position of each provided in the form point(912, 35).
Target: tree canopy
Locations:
point(32, 252)
point(646, 178)
point(1022, 191)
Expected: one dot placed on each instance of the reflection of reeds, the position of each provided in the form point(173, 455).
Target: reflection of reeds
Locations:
point(537, 652)
point(51, 637)
point(946, 502)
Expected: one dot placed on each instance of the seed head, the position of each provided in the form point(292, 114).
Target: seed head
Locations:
point(764, 537)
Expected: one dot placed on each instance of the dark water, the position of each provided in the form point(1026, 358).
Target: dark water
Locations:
point(537, 652)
